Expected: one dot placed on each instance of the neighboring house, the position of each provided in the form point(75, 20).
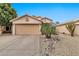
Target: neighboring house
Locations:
point(62, 29)
point(28, 24)
point(44, 20)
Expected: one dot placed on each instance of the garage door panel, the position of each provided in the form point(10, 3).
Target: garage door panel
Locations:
point(27, 29)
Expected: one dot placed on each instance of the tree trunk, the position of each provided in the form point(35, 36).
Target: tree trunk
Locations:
point(48, 36)
point(72, 34)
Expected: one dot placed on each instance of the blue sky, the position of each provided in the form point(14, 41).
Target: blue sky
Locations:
point(56, 11)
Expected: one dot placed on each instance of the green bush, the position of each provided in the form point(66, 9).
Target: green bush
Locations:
point(47, 30)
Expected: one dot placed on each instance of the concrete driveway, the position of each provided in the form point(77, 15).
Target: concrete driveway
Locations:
point(26, 45)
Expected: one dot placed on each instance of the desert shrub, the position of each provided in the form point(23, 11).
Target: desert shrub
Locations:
point(47, 30)
point(71, 28)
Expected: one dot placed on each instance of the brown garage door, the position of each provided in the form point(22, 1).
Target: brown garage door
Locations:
point(27, 29)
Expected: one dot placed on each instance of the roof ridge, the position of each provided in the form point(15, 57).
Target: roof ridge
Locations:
point(72, 21)
point(23, 16)
point(31, 17)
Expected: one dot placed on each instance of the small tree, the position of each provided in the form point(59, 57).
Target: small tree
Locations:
point(47, 30)
point(6, 14)
point(71, 28)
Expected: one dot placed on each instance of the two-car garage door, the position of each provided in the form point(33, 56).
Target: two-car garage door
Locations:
point(27, 29)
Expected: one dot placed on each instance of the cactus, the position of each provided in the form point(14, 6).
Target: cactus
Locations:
point(71, 28)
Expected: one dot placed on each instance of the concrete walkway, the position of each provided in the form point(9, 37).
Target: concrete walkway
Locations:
point(19, 45)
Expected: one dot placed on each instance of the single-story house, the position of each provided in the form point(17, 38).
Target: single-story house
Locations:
point(62, 29)
point(28, 24)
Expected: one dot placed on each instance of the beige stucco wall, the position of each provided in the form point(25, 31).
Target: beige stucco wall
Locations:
point(13, 29)
point(27, 29)
point(62, 29)
point(77, 30)
point(23, 20)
